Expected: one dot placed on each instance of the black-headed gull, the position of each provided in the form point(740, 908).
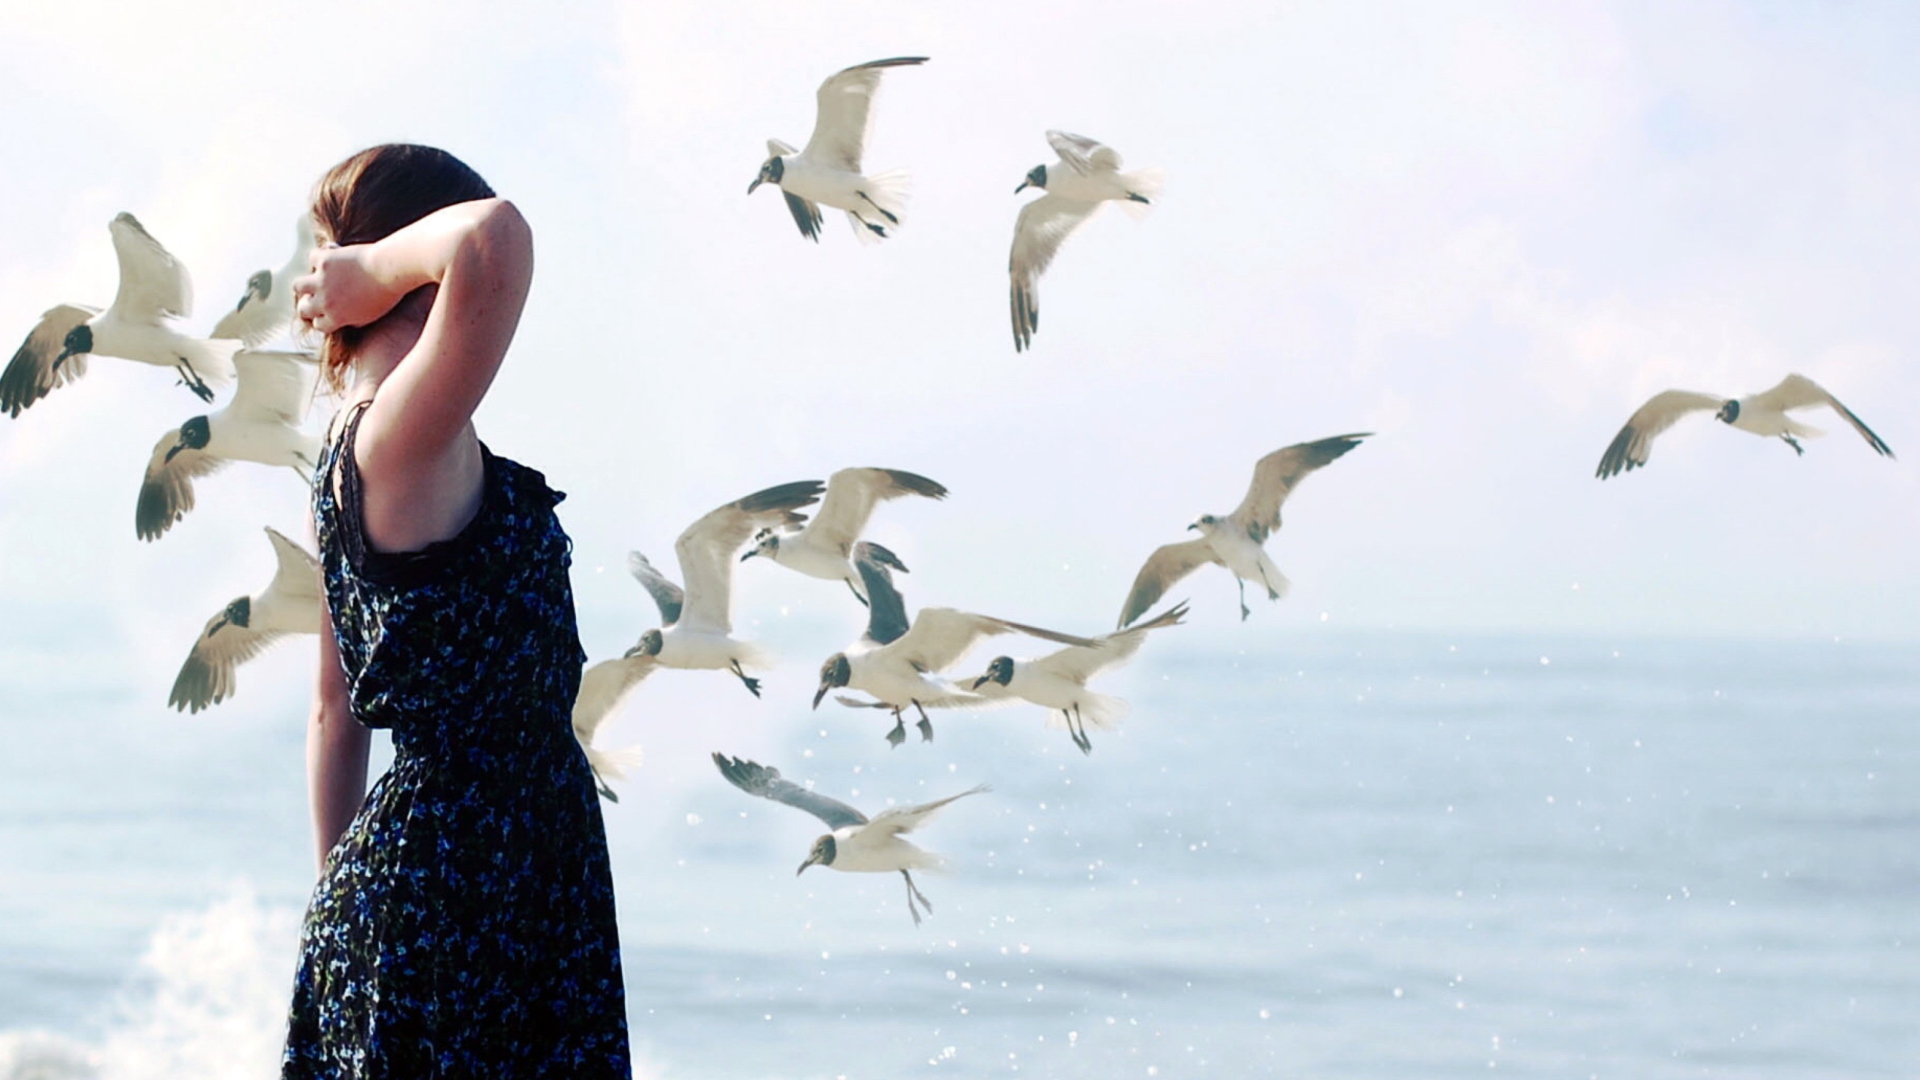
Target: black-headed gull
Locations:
point(1237, 541)
point(824, 547)
point(899, 663)
point(154, 290)
point(828, 172)
point(1058, 680)
point(697, 625)
point(602, 687)
point(857, 844)
point(1763, 414)
point(260, 424)
point(290, 604)
point(1086, 176)
point(265, 310)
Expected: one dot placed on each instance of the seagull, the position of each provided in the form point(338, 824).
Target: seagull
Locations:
point(824, 548)
point(265, 310)
point(261, 423)
point(828, 170)
point(1764, 413)
point(1087, 175)
point(154, 290)
point(1058, 681)
point(602, 687)
point(703, 640)
point(1238, 540)
point(857, 843)
point(899, 664)
point(290, 604)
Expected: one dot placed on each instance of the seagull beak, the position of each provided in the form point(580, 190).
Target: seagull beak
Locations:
point(630, 653)
point(174, 449)
point(751, 552)
point(1193, 526)
point(1023, 186)
point(817, 695)
point(803, 866)
point(755, 184)
point(981, 681)
point(215, 628)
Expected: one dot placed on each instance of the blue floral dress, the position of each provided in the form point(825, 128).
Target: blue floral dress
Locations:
point(464, 926)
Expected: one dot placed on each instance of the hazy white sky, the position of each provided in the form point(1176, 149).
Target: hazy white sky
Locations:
point(1485, 232)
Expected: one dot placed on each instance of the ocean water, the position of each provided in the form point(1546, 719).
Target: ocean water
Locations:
point(1325, 853)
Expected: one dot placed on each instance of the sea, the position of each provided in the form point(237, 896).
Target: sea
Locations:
point(1311, 853)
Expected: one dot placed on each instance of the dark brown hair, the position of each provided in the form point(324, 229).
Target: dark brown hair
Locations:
point(375, 193)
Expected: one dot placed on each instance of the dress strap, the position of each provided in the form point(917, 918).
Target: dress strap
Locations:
point(346, 486)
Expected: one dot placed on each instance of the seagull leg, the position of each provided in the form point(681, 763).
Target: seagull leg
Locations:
point(915, 894)
point(1244, 612)
point(899, 733)
point(194, 382)
point(1139, 198)
point(883, 210)
point(605, 791)
point(752, 685)
point(1080, 734)
point(925, 725)
point(1791, 441)
point(856, 594)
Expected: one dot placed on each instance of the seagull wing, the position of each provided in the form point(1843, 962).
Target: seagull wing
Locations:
point(845, 116)
point(602, 687)
point(851, 495)
point(903, 819)
point(30, 375)
point(1277, 474)
point(708, 547)
point(1800, 392)
point(274, 386)
point(941, 636)
point(265, 310)
point(153, 284)
point(1167, 565)
point(1629, 449)
point(166, 492)
point(1044, 224)
point(765, 781)
point(1085, 156)
point(206, 679)
point(296, 574)
point(1078, 663)
point(666, 595)
point(886, 608)
point(806, 214)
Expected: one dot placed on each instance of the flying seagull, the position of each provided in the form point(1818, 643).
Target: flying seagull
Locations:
point(824, 547)
point(290, 604)
point(856, 844)
point(154, 291)
point(828, 170)
point(602, 687)
point(1764, 413)
point(697, 625)
point(1238, 540)
point(1058, 680)
point(899, 664)
point(265, 310)
point(261, 424)
point(1087, 175)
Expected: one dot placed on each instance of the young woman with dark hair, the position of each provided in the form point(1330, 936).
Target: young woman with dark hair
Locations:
point(463, 925)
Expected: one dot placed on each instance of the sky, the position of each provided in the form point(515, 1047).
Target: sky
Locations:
point(1485, 233)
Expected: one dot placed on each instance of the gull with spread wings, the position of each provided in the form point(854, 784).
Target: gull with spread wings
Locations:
point(1086, 177)
point(1058, 681)
point(261, 424)
point(155, 289)
point(856, 844)
point(290, 604)
point(827, 172)
point(1238, 540)
point(825, 546)
point(265, 310)
point(696, 631)
point(899, 663)
point(1762, 414)
point(602, 688)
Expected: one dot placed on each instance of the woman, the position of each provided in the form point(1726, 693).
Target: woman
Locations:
point(464, 921)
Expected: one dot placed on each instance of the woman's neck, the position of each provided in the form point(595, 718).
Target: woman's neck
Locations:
point(386, 343)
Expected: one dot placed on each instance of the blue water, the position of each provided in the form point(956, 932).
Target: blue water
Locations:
point(1307, 854)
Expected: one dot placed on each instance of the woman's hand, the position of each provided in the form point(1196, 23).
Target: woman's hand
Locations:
point(342, 290)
